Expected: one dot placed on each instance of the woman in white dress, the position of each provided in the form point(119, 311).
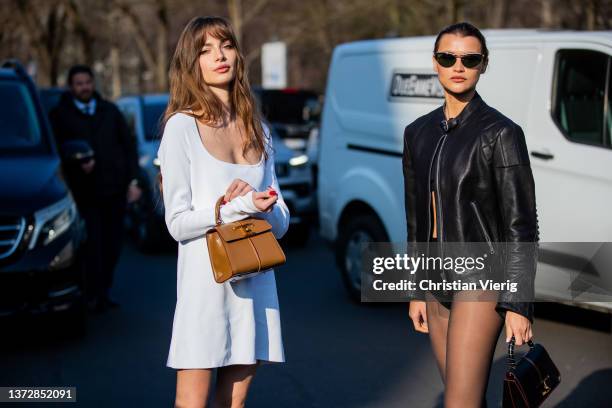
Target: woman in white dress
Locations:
point(214, 143)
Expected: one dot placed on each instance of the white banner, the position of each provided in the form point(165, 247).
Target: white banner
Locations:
point(274, 65)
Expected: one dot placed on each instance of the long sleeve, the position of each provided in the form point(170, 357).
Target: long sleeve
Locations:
point(517, 205)
point(410, 207)
point(279, 216)
point(183, 221)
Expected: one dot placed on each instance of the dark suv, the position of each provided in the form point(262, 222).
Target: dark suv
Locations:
point(41, 233)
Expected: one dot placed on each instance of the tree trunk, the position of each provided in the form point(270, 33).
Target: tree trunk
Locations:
point(115, 61)
point(546, 16)
point(161, 73)
point(498, 14)
point(234, 8)
point(82, 31)
point(45, 39)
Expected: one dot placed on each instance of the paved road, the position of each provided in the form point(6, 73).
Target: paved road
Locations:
point(339, 353)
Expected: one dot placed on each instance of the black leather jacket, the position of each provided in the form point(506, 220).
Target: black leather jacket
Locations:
point(485, 188)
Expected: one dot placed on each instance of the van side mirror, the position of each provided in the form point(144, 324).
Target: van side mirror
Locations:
point(77, 151)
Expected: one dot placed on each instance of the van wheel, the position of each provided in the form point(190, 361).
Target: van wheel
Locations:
point(358, 230)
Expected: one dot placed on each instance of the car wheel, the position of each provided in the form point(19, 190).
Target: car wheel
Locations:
point(358, 230)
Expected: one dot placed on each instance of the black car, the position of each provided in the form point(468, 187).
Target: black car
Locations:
point(292, 112)
point(41, 232)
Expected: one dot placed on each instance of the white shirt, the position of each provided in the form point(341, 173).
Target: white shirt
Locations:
point(87, 108)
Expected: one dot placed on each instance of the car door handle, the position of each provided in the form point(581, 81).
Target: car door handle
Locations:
point(543, 156)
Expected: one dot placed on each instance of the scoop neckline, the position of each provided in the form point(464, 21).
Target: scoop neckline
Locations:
point(195, 124)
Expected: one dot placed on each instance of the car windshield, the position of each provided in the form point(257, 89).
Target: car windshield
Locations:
point(153, 113)
point(20, 129)
point(285, 106)
point(50, 97)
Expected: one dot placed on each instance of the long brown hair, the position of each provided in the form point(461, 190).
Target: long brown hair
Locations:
point(189, 93)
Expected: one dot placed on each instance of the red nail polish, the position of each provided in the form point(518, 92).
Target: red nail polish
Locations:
point(273, 193)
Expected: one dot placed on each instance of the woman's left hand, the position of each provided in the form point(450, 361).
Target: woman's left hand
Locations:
point(518, 326)
point(265, 200)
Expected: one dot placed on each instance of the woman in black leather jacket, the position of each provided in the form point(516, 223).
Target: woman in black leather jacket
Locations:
point(468, 179)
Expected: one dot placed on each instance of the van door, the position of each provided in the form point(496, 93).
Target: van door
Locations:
point(571, 155)
point(571, 150)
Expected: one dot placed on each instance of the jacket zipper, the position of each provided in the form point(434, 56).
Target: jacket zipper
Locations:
point(439, 194)
point(482, 227)
point(439, 204)
point(429, 193)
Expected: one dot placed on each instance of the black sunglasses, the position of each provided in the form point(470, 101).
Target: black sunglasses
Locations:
point(447, 60)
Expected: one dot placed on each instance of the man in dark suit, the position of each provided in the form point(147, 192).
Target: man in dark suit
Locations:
point(103, 186)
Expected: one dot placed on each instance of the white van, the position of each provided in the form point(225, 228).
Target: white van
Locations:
point(557, 85)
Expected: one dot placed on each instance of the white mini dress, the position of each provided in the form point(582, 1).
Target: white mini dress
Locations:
point(216, 324)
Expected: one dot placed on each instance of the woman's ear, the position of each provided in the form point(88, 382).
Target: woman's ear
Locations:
point(484, 67)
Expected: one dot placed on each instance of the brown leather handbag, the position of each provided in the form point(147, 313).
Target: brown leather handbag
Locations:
point(241, 248)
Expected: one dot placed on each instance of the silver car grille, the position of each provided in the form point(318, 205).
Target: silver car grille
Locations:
point(11, 233)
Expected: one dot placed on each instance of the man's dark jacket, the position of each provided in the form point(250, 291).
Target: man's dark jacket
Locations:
point(114, 147)
point(485, 190)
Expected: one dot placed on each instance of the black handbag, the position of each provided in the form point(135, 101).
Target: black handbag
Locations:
point(529, 381)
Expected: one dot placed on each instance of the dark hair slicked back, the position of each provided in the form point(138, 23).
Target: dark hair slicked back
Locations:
point(464, 29)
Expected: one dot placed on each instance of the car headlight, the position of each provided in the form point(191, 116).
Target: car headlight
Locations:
point(143, 160)
point(298, 160)
point(52, 221)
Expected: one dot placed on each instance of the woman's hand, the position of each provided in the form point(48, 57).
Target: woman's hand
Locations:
point(237, 188)
point(418, 314)
point(265, 200)
point(518, 326)
point(262, 200)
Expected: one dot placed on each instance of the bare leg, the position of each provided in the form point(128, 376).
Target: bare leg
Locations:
point(437, 321)
point(233, 385)
point(192, 388)
point(474, 327)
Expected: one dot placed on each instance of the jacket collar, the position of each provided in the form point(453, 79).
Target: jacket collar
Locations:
point(467, 111)
point(67, 99)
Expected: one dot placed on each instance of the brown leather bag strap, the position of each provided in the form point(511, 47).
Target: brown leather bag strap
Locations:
point(218, 210)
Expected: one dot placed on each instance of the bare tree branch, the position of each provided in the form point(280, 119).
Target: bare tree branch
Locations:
point(139, 34)
point(81, 30)
point(253, 11)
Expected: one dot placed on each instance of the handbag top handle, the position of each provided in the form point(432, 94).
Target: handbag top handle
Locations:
point(510, 359)
point(218, 210)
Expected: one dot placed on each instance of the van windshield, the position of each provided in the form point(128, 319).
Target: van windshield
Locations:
point(19, 124)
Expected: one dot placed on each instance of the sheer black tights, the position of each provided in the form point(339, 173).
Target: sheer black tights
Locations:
point(463, 341)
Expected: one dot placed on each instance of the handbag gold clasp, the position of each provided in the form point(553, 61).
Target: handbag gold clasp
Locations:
point(547, 388)
point(246, 227)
